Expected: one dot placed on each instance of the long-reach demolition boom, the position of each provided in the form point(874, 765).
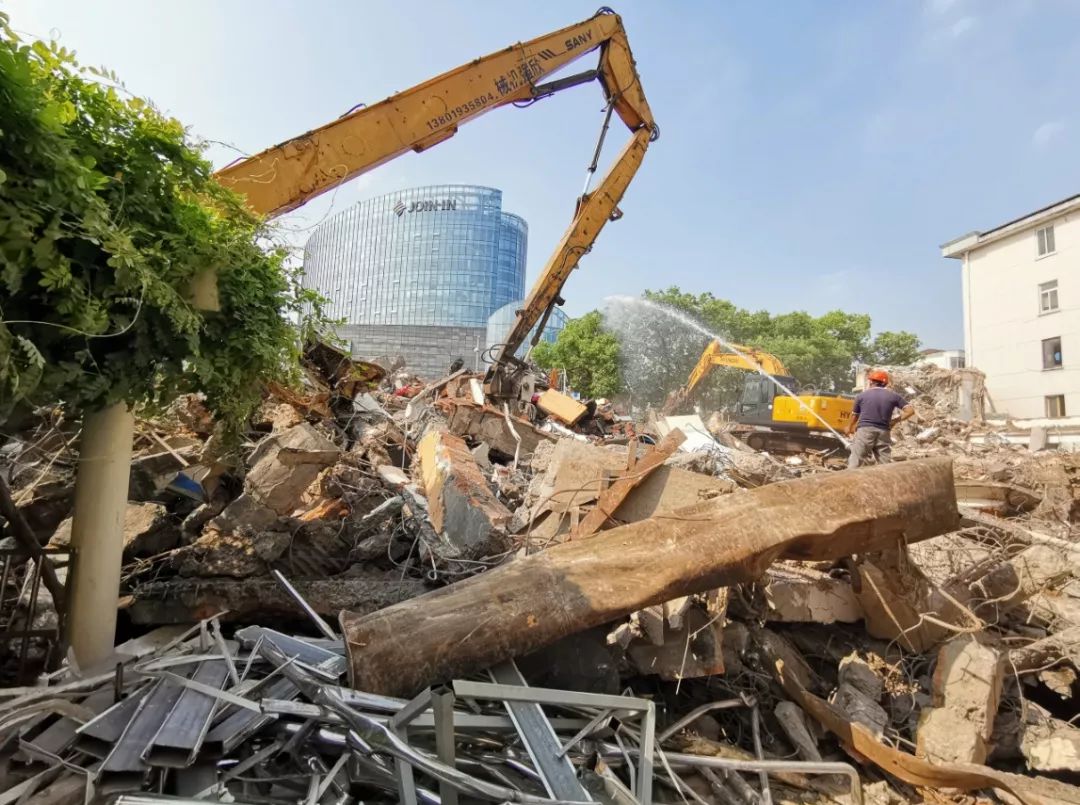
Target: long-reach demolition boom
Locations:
point(287, 175)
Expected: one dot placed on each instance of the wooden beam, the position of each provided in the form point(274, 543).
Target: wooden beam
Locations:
point(533, 601)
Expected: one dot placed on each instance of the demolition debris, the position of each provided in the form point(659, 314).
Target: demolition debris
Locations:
point(392, 591)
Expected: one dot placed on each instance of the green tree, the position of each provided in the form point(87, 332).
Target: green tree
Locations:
point(108, 214)
point(895, 349)
point(588, 355)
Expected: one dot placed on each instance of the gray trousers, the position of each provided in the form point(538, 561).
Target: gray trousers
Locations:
point(870, 442)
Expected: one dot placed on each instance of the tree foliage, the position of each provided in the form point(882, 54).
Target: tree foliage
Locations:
point(108, 213)
point(588, 355)
point(895, 349)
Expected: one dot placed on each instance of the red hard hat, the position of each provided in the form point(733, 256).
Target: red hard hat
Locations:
point(878, 375)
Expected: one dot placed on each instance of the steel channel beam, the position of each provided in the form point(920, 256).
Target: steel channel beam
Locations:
point(399, 725)
point(466, 689)
point(182, 732)
point(442, 706)
point(556, 771)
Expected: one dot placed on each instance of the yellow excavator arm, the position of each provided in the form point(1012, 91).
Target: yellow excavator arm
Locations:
point(747, 358)
point(737, 356)
point(289, 174)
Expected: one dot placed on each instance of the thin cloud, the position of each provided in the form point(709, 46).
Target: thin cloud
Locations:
point(1047, 133)
point(939, 8)
point(961, 27)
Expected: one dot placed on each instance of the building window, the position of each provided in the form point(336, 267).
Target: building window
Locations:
point(1055, 406)
point(1045, 236)
point(1048, 297)
point(1051, 351)
point(956, 363)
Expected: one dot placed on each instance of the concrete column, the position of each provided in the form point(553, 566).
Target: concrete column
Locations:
point(97, 532)
point(966, 401)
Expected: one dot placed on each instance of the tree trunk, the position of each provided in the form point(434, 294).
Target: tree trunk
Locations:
point(534, 601)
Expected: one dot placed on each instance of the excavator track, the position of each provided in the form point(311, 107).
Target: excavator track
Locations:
point(789, 442)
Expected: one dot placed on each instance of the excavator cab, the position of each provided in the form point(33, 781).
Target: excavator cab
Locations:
point(756, 404)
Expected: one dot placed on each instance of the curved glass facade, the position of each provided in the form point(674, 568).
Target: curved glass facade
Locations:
point(503, 319)
point(417, 273)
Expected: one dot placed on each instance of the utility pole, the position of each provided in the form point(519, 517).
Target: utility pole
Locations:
point(97, 532)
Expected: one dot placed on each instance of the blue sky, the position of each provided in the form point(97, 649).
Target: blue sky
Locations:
point(813, 153)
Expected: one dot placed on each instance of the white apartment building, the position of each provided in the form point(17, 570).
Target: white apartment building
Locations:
point(941, 358)
point(1021, 287)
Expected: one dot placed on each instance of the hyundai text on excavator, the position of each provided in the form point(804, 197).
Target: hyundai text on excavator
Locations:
point(771, 419)
point(289, 174)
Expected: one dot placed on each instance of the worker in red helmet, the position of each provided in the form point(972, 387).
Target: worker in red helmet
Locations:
point(872, 421)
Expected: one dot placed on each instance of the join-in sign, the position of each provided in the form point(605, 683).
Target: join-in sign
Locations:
point(425, 206)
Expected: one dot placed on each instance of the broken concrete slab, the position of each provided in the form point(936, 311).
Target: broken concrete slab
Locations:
point(190, 600)
point(697, 435)
point(535, 600)
point(799, 594)
point(1012, 582)
point(230, 554)
point(575, 474)
point(611, 498)
point(1041, 652)
point(469, 519)
point(944, 735)
point(488, 425)
point(894, 595)
point(244, 513)
point(996, 497)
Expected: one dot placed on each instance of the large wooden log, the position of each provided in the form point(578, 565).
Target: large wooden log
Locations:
point(534, 601)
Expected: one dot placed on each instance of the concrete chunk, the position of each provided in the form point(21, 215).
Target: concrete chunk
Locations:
point(284, 466)
point(1051, 745)
point(696, 650)
point(148, 530)
point(969, 677)
point(488, 425)
point(464, 513)
point(802, 595)
point(393, 477)
point(946, 736)
point(966, 692)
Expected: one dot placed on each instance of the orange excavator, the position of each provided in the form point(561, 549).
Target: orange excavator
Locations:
point(289, 174)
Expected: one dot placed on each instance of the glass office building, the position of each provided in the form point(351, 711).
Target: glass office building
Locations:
point(416, 274)
point(502, 320)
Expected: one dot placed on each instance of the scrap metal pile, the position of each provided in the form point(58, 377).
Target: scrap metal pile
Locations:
point(415, 596)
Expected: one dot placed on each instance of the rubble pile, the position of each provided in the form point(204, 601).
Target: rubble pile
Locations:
point(396, 591)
